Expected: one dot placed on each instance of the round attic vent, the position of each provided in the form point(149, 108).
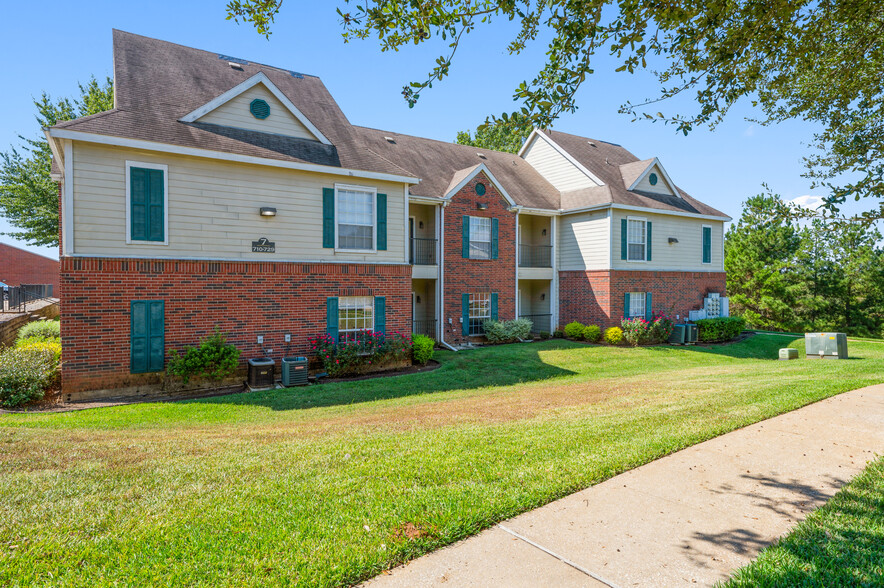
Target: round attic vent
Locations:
point(653, 179)
point(480, 189)
point(259, 109)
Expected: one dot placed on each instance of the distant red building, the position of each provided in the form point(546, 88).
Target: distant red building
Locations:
point(18, 266)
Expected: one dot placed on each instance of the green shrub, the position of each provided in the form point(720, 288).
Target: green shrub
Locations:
point(422, 349)
point(544, 335)
point(614, 335)
point(42, 329)
point(366, 352)
point(27, 372)
point(720, 329)
point(53, 345)
point(507, 331)
point(574, 330)
point(33, 340)
point(638, 331)
point(558, 334)
point(214, 359)
point(592, 333)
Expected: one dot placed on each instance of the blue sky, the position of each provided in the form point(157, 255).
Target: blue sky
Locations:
point(64, 43)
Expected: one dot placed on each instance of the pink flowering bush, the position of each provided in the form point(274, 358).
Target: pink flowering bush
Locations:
point(363, 352)
point(640, 331)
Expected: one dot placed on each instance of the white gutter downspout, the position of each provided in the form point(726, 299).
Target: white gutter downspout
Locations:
point(441, 306)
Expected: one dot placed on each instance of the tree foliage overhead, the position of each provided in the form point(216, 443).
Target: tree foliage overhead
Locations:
point(28, 196)
point(822, 275)
point(816, 60)
point(502, 135)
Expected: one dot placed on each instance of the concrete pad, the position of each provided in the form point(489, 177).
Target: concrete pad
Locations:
point(491, 558)
point(689, 518)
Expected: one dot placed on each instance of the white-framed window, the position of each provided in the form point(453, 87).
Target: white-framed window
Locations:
point(636, 304)
point(636, 239)
point(355, 315)
point(480, 311)
point(356, 217)
point(480, 237)
point(147, 203)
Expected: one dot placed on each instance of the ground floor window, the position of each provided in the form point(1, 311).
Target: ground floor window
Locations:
point(636, 304)
point(355, 315)
point(480, 311)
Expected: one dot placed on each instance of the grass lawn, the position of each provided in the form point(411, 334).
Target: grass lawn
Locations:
point(332, 484)
point(840, 544)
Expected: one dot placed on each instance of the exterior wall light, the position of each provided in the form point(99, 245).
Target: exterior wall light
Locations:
point(672, 240)
point(268, 211)
point(482, 206)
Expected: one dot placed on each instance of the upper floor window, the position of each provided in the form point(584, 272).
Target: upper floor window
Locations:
point(356, 218)
point(480, 238)
point(636, 240)
point(147, 203)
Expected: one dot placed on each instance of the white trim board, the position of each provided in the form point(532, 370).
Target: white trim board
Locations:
point(157, 166)
point(229, 259)
point(225, 156)
point(258, 78)
point(641, 176)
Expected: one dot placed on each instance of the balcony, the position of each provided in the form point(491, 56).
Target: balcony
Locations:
point(542, 322)
point(422, 252)
point(424, 327)
point(535, 255)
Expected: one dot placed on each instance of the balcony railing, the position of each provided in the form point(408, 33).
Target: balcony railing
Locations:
point(535, 255)
point(542, 322)
point(424, 327)
point(423, 251)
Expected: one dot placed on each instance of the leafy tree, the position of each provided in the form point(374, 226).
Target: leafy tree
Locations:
point(820, 61)
point(759, 256)
point(28, 196)
point(503, 135)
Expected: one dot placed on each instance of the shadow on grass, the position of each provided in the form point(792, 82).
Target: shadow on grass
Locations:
point(478, 368)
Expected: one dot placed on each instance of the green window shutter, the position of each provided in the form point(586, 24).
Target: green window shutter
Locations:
point(626, 305)
point(147, 336)
point(707, 245)
point(156, 205)
point(494, 248)
point(623, 238)
point(382, 222)
point(494, 306)
point(331, 316)
point(465, 238)
point(156, 345)
point(649, 312)
point(328, 219)
point(648, 240)
point(465, 307)
point(139, 188)
point(380, 314)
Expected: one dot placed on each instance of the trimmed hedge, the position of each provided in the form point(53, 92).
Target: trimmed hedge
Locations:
point(507, 331)
point(574, 330)
point(26, 372)
point(592, 333)
point(422, 349)
point(720, 329)
point(614, 335)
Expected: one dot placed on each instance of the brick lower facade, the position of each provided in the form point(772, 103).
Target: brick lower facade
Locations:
point(597, 297)
point(243, 299)
point(477, 275)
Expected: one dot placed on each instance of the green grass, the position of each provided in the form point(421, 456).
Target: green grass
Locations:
point(840, 544)
point(316, 486)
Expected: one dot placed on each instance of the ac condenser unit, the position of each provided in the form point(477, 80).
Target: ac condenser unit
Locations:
point(677, 335)
point(294, 371)
point(690, 333)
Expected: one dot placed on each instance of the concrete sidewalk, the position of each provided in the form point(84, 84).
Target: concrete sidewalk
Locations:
point(690, 518)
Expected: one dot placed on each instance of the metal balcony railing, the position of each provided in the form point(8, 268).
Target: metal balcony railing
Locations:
point(423, 251)
point(542, 322)
point(424, 327)
point(535, 255)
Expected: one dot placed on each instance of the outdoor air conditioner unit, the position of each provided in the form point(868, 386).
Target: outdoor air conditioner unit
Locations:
point(294, 371)
point(261, 373)
point(825, 345)
point(677, 335)
point(690, 333)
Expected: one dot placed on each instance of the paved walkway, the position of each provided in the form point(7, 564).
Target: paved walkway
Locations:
point(690, 518)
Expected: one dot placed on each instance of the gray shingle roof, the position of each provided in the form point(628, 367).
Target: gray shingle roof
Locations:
point(158, 83)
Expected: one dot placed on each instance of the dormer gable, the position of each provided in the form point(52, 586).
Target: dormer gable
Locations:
point(648, 176)
point(555, 164)
point(257, 105)
point(463, 176)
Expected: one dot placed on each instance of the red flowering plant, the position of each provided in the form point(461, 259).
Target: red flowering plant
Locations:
point(640, 331)
point(360, 351)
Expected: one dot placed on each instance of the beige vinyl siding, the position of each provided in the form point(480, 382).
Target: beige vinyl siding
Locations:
point(213, 209)
point(686, 255)
point(555, 167)
point(235, 113)
point(660, 188)
point(584, 241)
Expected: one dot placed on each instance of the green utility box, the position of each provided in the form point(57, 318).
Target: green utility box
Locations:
point(788, 353)
point(825, 345)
